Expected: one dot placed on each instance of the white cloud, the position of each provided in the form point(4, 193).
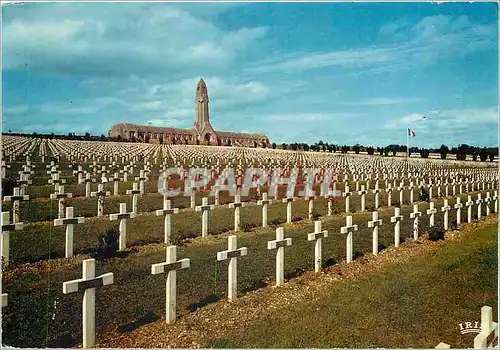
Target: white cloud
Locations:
point(432, 38)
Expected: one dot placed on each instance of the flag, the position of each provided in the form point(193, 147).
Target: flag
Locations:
point(412, 133)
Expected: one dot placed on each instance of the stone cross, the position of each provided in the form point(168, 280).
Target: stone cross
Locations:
point(376, 192)
point(88, 283)
point(288, 202)
point(217, 195)
point(469, 205)
point(232, 253)
point(6, 228)
point(141, 180)
point(479, 201)
point(204, 208)
point(79, 173)
point(100, 194)
point(4, 299)
point(458, 207)
point(170, 266)
point(487, 201)
point(87, 181)
point(193, 199)
point(349, 228)
point(495, 201)
point(445, 208)
point(396, 219)
point(311, 207)
point(236, 206)
point(431, 211)
point(116, 181)
point(60, 196)
point(389, 195)
point(446, 191)
point(375, 223)
point(347, 194)
point(134, 192)
point(488, 336)
point(317, 235)
point(122, 216)
point(264, 202)
point(69, 221)
point(411, 188)
point(415, 215)
point(167, 211)
point(16, 198)
point(279, 244)
point(401, 192)
point(56, 181)
point(363, 197)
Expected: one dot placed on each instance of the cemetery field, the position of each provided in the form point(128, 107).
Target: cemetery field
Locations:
point(210, 262)
point(405, 297)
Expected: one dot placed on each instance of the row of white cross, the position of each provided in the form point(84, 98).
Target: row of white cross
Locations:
point(69, 220)
point(89, 282)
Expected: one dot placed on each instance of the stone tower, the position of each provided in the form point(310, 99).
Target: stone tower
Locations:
point(201, 125)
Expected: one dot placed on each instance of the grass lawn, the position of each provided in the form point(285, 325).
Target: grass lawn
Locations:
point(415, 303)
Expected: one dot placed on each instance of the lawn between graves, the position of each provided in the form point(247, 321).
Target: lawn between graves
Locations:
point(418, 302)
point(39, 314)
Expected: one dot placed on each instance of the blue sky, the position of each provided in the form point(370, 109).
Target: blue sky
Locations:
point(343, 73)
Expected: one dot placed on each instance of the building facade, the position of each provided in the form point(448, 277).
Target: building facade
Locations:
point(202, 132)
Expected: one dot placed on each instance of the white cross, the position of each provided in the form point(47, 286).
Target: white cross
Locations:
point(445, 209)
point(16, 198)
point(134, 192)
point(488, 336)
point(431, 211)
point(264, 202)
point(469, 205)
point(279, 244)
point(363, 197)
point(6, 228)
point(122, 216)
point(100, 194)
point(411, 188)
point(288, 202)
point(236, 206)
point(87, 181)
point(479, 201)
point(495, 203)
point(376, 192)
point(56, 181)
point(458, 206)
point(389, 195)
point(375, 223)
point(401, 192)
point(60, 196)
point(317, 235)
point(88, 283)
point(232, 253)
point(167, 211)
point(347, 195)
point(4, 299)
point(311, 206)
point(349, 228)
point(487, 201)
point(396, 219)
point(193, 199)
point(170, 266)
point(141, 180)
point(69, 221)
point(116, 181)
point(415, 215)
point(204, 208)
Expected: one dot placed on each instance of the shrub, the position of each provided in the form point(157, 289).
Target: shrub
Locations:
point(296, 219)
point(275, 222)
point(108, 245)
point(246, 227)
point(8, 186)
point(315, 215)
point(435, 233)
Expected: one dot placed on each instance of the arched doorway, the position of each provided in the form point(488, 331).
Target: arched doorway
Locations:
point(229, 142)
point(207, 138)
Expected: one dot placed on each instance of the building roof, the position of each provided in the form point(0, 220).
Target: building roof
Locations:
point(149, 128)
